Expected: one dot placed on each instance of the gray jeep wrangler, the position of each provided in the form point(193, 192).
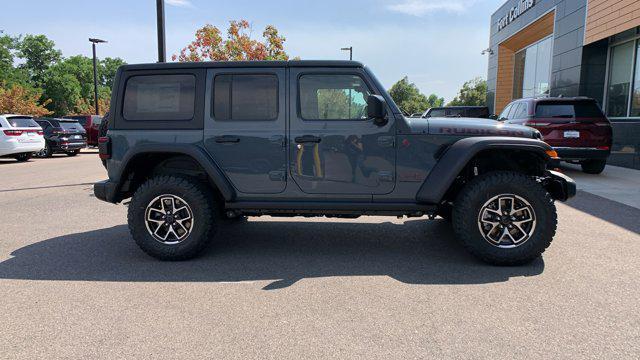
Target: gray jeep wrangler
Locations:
point(196, 145)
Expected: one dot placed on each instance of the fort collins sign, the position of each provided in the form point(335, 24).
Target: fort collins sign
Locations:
point(514, 12)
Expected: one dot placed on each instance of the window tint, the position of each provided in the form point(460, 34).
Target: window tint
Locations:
point(333, 97)
point(437, 113)
point(456, 112)
point(71, 125)
point(479, 113)
point(245, 97)
point(579, 109)
point(159, 97)
point(22, 122)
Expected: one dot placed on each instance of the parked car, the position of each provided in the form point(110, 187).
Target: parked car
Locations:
point(62, 136)
point(575, 127)
point(269, 138)
point(91, 124)
point(458, 111)
point(20, 137)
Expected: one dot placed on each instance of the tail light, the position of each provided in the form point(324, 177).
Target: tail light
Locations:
point(13, 132)
point(40, 132)
point(602, 147)
point(104, 147)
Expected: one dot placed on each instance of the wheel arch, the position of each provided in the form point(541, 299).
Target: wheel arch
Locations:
point(495, 153)
point(143, 161)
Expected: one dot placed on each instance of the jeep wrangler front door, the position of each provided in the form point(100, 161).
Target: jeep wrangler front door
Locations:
point(245, 127)
point(333, 147)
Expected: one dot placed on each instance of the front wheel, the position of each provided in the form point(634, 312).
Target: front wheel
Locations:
point(172, 218)
point(505, 218)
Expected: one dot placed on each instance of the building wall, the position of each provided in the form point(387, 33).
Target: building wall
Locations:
point(569, 21)
point(609, 17)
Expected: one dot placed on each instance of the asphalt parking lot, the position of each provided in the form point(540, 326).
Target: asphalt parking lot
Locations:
point(74, 285)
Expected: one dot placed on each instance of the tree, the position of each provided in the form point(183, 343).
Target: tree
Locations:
point(39, 54)
point(69, 84)
point(472, 93)
point(15, 99)
point(238, 44)
point(107, 69)
point(409, 98)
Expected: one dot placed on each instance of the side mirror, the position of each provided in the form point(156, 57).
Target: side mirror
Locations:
point(376, 110)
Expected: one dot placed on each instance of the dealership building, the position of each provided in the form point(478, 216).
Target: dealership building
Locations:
point(571, 48)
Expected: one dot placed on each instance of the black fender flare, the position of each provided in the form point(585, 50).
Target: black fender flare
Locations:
point(195, 152)
point(456, 157)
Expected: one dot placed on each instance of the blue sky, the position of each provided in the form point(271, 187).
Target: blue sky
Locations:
point(437, 43)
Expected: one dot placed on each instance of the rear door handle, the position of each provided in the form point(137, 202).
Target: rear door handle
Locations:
point(227, 139)
point(308, 139)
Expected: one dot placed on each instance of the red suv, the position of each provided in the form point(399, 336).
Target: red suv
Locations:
point(575, 127)
point(91, 124)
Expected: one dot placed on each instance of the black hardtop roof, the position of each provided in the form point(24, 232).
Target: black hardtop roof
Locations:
point(244, 64)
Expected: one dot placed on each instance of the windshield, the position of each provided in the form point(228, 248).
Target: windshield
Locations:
point(22, 122)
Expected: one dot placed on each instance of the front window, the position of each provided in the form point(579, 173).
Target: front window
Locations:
point(532, 69)
point(333, 97)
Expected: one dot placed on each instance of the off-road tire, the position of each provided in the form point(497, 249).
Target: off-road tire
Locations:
point(73, 153)
point(593, 166)
point(477, 192)
point(200, 199)
point(23, 157)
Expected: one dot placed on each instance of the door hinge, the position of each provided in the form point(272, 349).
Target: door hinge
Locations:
point(277, 175)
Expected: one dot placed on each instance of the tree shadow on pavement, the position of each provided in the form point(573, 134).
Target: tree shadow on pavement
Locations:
point(611, 211)
point(418, 252)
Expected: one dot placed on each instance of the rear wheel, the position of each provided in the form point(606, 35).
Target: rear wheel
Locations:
point(505, 218)
point(73, 153)
point(23, 157)
point(172, 218)
point(593, 166)
point(46, 152)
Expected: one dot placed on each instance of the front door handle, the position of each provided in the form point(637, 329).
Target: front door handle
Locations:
point(308, 139)
point(227, 139)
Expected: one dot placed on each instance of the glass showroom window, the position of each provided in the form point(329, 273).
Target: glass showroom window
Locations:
point(620, 69)
point(532, 69)
point(635, 95)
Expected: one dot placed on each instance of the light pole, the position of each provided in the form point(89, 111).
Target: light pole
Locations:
point(95, 72)
point(162, 56)
point(350, 49)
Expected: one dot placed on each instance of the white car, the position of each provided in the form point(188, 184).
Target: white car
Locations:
point(20, 137)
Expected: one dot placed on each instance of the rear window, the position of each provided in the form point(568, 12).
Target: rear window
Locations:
point(22, 122)
point(71, 125)
point(159, 97)
point(245, 97)
point(579, 109)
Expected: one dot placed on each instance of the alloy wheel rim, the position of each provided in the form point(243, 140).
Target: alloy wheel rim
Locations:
point(169, 219)
point(507, 221)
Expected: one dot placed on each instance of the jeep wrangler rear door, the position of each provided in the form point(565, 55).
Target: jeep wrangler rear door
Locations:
point(244, 129)
point(333, 147)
